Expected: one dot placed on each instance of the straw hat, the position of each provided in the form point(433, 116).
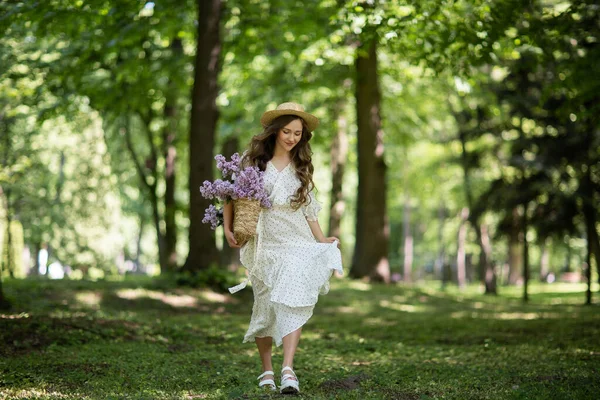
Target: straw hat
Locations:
point(290, 109)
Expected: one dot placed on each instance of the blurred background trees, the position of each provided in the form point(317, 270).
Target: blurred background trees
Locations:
point(460, 140)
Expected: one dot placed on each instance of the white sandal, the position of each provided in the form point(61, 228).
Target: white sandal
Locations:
point(289, 382)
point(266, 382)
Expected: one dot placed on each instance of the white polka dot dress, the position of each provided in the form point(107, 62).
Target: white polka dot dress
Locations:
point(287, 267)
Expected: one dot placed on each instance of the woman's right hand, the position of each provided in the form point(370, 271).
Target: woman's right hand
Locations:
point(231, 239)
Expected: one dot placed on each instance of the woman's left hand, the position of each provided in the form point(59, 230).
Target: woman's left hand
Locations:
point(332, 239)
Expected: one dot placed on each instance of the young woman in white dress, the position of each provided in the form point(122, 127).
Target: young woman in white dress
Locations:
point(290, 260)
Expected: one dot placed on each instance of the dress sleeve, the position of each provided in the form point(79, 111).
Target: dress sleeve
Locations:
point(311, 210)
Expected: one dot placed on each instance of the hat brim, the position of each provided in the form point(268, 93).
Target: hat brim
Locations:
point(312, 122)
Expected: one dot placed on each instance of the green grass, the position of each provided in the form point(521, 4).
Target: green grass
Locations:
point(137, 339)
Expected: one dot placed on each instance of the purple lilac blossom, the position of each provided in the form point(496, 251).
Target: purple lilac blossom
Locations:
point(219, 189)
point(229, 169)
point(249, 184)
point(236, 184)
point(212, 215)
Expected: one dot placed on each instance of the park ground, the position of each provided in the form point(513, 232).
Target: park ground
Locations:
point(148, 339)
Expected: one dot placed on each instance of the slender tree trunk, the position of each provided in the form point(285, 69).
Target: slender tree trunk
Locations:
point(138, 250)
point(162, 255)
point(203, 250)
point(372, 226)
point(408, 238)
point(514, 244)
point(35, 271)
point(545, 260)
point(589, 215)
point(588, 272)
point(525, 254)
point(339, 153)
point(4, 303)
point(595, 240)
point(151, 187)
point(439, 262)
point(169, 153)
point(9, 244)
point(461, 260)
point(488, 274)
point(596, 250)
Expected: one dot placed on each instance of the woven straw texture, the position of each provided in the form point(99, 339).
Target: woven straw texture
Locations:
point(245, 219)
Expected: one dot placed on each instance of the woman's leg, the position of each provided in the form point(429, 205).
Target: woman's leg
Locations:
point(290, 344)
point(265, 345)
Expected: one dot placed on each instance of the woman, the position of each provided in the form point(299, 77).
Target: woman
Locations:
point(290, 260)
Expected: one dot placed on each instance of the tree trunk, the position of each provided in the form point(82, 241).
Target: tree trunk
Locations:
point(588, 272)
point(487, 275)
point(151, 164)
point(594, 239)
point(169, 153)
point(339, 152)
point(596, 249)
point(461, 260)
point(514, 257)
point(9, 244)
point(408, 238)
point(160, 237)
point(203, 250)
point(4, 303)
point(439, 262)
point(230, 256)
point(35, 271)
point(138, 250)
point(525, 253)
point(545, 260)
point(589, 215)
point(486, 253)
point(370, 257)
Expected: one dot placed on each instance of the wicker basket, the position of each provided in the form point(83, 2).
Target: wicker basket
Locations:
point(245, 219)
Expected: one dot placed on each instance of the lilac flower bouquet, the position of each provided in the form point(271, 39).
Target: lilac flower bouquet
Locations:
point(239, 185)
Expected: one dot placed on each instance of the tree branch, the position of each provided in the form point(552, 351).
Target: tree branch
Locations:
point(131, 150)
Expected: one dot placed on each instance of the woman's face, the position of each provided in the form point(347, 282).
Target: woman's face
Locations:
point(289, 136)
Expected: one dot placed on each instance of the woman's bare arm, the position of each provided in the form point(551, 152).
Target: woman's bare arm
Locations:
point(318, 233)
point(228, 224)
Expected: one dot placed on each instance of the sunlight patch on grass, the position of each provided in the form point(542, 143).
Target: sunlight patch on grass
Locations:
point(350, 310)
point(90, 299)
point(379, 322)
point(173, 300)
point(214, 297)
point(40, 393)
point(250, 352)
point(359, 285)
point(402, 307)
point(560, 287)
point(505, 315)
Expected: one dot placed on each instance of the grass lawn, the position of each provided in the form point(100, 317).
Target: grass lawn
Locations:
point(137, 339)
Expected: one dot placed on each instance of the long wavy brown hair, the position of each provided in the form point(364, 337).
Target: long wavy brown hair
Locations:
point(262, 147)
